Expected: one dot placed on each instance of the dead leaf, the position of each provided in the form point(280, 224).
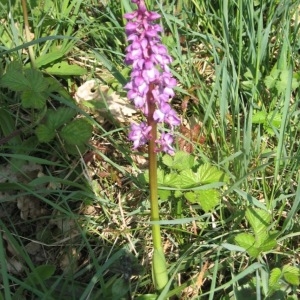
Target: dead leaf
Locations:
point(120, 108)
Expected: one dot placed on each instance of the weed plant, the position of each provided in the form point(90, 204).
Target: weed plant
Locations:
point(74, 207)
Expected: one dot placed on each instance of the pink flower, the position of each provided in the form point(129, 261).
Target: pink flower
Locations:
point(165, 142)
point(139, 134)
point(149, 59)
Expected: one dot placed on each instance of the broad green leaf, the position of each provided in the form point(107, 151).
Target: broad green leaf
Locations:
point(15, 81)
point(37, 80)
point(261, 238)
point(247, 241)
point(191, 196)
point(164, 194)
point(48, 58)
point(37, 276)
point(266, 239)
point(183, 161)
point(160, 176)
point(207, 173)
point(54, 86)
point(274, 120)
point(208, 199)
point(173, 180)
point(285, 78)
point(180, 161)
point(167, 160)
point(282, 82)
point(42, 273)
point(64, 69)
point(75, 148)
point(77, 132)
point(33, 99)
point(188, 178)
point(268, 244)
point(259, 117)
point(295, 84)
point(271, 80)
point(57, 118)
point(119, 288)
point(159, 269)
point(259, 219)
point(269, 130)
point(291, 274)
point(8, 126)
point(178, 194)
point(145, 176)
point(44, 133)
point(274, 279)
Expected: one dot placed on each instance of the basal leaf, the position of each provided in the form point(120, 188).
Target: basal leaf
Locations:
point(64, 69)
point(188, 178)
point(37, 276)
point(269, 130)
point(8, 125)
point(173, 180)
point(182, 161)
point(282, 81)
point(268, 245)
point(119, 288)
point(75, 148)
point(295, 84)
point(247, 241)
point(15, 81)
point(37, 81)
point(191, 196)
point(271, 80)
point(77, 132)
point(208, 199)
point(57, 118)
point(261, 238)
point(44, 133)
point(41, 273)
point(167, 160)
point(259, 117)
point(207, 173)
point(178, 194)
point(160, 176)
point(291, 274)
point(48, 58)
point(267, 241)
point(259, 219)
point(275, 120)
point(54, 86)
point(274, 279)
point(145, 176)
point(33, 99)
point(164, 194)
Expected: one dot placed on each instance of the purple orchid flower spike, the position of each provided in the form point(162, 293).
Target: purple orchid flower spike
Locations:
point(151, 81)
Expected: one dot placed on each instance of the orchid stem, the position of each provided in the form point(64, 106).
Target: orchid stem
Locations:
point(27, 33)
point(159, 269)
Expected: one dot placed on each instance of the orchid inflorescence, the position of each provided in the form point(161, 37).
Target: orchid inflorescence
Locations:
point(151, 79)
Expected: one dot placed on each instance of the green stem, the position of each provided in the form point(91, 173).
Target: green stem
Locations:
point(159, 269)
point(27, 33)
